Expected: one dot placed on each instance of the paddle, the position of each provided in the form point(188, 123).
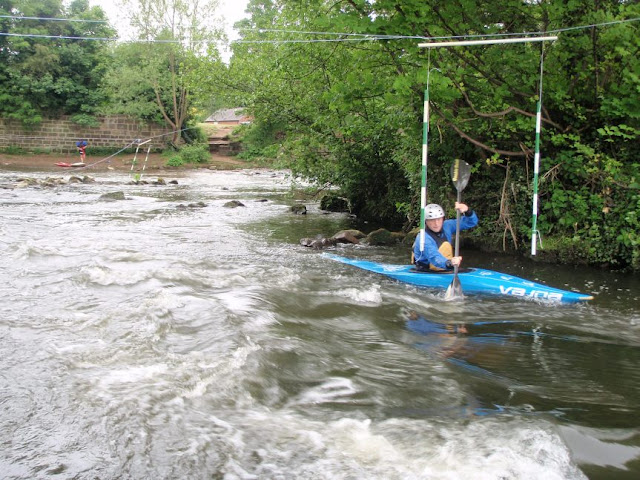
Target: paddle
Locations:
point(460, 173)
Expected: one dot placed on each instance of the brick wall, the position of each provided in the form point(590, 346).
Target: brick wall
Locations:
point(61, 135)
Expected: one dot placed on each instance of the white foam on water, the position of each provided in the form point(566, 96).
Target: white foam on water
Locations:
point(280, 444)
point(105, 275)
point(132, 374)
point(369, 296)
point(489, 449)
point(332, 390)
point(356, 439)
point(163, 302)
point(31, 249)
point(222, 375)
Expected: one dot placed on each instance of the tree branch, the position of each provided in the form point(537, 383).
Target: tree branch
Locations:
point(525, 152)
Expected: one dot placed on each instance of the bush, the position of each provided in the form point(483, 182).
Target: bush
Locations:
point(175, 161)
point(85, 120)
point(196, 154)
point(13, 150)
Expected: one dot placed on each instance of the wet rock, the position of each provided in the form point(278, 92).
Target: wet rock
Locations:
point(191, 205)
point(233, 204)
point(160, 181)
point(173, 182)
point(350, 235)
point(52, 182)
point(112, 197)
point(334, 203)
point(411, 236)
point(345, 237)
point(318, 243)
point(383, 236)
point(299, 209)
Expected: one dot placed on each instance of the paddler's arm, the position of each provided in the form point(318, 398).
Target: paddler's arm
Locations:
point(468, 219)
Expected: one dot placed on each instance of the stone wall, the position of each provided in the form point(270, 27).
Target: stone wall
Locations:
point(61, 135)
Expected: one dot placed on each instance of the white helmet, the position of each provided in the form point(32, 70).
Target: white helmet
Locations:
point(433, 211)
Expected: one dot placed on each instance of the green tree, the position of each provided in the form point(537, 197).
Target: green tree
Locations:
point(47, 69)
point(153, 77)
point(350, 112)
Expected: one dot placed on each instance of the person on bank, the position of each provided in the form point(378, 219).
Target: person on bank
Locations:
point(438, 251)
point(82, 147)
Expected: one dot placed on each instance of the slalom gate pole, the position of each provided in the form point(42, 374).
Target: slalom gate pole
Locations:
point(423, 190)
point(536, 167)
point(135, 156)
point(144, 165)
point(425, 151)
point(536, 162)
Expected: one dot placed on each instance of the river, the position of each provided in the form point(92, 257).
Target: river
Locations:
point(153, 337)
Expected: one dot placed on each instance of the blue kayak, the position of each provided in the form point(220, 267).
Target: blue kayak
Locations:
point(473, 280)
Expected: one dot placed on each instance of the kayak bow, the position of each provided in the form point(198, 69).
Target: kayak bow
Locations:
point(477, 281)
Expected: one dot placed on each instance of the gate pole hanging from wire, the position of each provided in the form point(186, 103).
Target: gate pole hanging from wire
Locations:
point(536, 165)
point(425, 146)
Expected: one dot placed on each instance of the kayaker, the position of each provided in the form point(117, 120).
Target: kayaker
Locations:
point(438, 251)
point(82, 147)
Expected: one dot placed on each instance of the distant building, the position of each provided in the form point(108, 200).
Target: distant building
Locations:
point(225, 120)
point(229, 116)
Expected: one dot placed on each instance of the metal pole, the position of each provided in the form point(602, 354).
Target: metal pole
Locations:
point(144, 165)
point(493, 41)
point(133, 162)
point(536, 162)
point(139, 143)
point(425, 143)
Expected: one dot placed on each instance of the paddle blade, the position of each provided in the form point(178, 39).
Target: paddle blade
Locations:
point(454, 290)
point(460, 173)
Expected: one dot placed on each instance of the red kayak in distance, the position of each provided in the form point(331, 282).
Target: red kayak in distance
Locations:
point(65, 164)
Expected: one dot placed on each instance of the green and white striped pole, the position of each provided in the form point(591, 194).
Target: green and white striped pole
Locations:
point(425, 143)
point(494, 41)
point(536, 164)
point(536, 168)
point(425, 155)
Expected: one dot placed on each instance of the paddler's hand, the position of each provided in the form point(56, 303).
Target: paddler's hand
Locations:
point(462, 207)
point(456, 261)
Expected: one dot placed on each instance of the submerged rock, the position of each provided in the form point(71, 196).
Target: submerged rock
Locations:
point(383, 236)
point(349, 236)
point(334, 203)
point(319, 242)
point(299, 209)
point(112, 197)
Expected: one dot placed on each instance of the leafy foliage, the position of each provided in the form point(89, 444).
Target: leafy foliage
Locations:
point(350, 112)
point(46, 74)
point(194, 154)
point(154, 79)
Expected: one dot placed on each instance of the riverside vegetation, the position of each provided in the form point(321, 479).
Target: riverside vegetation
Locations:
point(348, 114)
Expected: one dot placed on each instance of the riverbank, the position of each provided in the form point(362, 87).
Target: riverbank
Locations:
point(156, 162)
